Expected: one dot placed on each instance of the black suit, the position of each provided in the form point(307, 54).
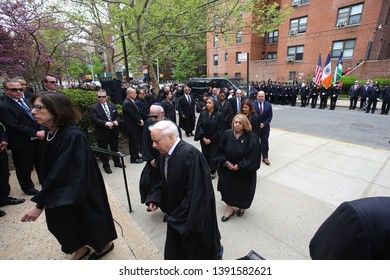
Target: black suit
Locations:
point(5, 188)
point(354, 94)
point(104, 135)
point(132, 126)
point(235, 107)
point(21, 131)
point(186, 114)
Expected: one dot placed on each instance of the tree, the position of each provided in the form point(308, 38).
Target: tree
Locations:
point(36, 34)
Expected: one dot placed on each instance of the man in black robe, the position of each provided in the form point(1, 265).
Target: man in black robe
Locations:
point(185, 191)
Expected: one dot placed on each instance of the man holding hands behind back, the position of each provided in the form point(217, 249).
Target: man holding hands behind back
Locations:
point(105, 117)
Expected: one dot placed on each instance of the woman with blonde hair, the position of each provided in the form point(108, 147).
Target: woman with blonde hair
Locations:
point(238, 159)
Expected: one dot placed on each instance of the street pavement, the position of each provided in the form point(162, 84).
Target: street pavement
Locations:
point(308, 178)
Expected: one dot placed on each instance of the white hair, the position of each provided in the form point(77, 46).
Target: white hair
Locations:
point(166, 128)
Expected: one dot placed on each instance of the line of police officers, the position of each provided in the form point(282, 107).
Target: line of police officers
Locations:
point(311, 94)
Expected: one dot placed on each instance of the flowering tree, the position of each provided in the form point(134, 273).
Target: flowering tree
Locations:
point(34, 38)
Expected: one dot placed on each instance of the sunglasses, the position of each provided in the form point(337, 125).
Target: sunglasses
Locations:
point(154, 116)
point(15, 89)
point(51, 82)
point(102, 96)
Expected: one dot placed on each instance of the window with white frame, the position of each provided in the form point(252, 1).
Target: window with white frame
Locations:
point(226, 56)
point(273, 37)
point(271, 55)
point(237, 61)
point(292, 75)
point(347, 46)
point(298, 25)
point(239, 37)
point(296, 52)
point(215, 59)
point(349, 15)
point(215, 42)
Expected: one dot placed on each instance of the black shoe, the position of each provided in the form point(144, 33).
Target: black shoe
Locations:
point(220, 255)
point(138, 160)
point(225, 219)
point(192, 134)
point(95, 256)
point(2, 213)
point(31, 192)
point(188, 135)
point(118, 164)
point(240, 213)
point(11, 201)
point(107, 169)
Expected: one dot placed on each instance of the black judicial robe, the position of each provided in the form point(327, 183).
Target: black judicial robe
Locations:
point(356, 230)
point(238, 187)
point(188, 197)
point(74, 194)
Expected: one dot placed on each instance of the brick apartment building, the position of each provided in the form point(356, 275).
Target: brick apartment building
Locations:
point(361, 29)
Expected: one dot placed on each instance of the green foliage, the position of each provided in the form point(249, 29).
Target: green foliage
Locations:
point(187, 60)
point(349, 81)
point(82, 99)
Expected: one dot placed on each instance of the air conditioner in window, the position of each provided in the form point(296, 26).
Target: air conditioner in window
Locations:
point(293, 32)
point(296, 3)
point(341, 23)
point(290, 58)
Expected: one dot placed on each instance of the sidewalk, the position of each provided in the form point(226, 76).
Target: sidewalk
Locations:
point(307, 179)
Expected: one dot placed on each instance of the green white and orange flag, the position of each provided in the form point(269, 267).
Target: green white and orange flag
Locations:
point(327, 73)
point(339, 69)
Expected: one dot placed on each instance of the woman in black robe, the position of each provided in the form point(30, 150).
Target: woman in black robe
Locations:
point(253, 117)
point(169, 107)
point(225, 107)
point(73, 192)
point(238, 159)
point(208, 130)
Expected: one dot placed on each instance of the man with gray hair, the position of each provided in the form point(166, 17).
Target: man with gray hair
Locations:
point(185, 192)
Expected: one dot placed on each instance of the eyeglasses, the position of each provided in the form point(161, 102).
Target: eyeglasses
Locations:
point(38, 107)
point(154, 116)
point(15, 89)
point(102, 96)
point(51, 82)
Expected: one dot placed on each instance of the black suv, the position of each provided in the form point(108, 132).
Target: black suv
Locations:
point(199, 85)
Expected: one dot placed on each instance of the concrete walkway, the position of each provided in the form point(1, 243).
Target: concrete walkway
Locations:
point(307, 179)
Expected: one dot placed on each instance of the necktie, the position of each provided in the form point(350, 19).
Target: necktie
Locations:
point(238, 105)
point(25, 108)
point(105, 107)
point(261, 108)
point(166, 166)
point(189, 99)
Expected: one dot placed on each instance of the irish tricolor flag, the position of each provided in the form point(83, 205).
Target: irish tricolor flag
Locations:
point(327, 73)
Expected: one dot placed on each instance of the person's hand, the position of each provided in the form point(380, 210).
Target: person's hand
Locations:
point(109, 124)
point(40, 134)
point(32, 214)
point(141, 123)
point(115, 123)
point(152, 207)
point(206, 141)
point(3, 146)
point(262, 125)
point(153, 162)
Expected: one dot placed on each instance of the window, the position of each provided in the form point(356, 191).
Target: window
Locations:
point(349, 15)
point(226, 56)
point(262, 55)
point(296, 51)
point(305, 2)
point(347, 46)
point(237, 62)
point(271, 55)
point(273, 37)
point(237, 75)
point(215, 74)
point(215, 59)
point(239, 37)
point(292, 75)
point(215, 42)
point(298, 25)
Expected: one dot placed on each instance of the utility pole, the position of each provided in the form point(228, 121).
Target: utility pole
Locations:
point(125, 54)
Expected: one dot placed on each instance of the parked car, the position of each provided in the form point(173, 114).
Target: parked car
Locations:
point(199, 85)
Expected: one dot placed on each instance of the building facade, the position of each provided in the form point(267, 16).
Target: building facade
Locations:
point(361, 29)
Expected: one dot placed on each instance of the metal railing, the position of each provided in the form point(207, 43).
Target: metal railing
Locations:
point(121, 156)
